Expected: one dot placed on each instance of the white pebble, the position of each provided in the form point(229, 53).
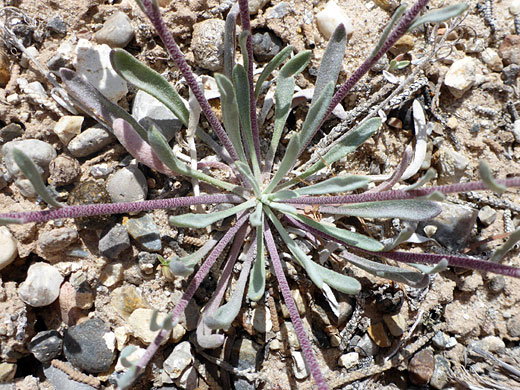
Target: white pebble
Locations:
point(461, 76)
point(42, 285)
point(8, 247)
point(68, 127)
point(514, 8)
point(180, 358)
point(331, 16)
point(299, 367)
point(349, 359)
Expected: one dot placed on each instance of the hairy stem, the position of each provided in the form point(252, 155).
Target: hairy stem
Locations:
point(400, 194)
point(89, 210)
point(310, 359)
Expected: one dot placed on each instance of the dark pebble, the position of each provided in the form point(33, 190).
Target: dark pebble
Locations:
point(497, 284)
point(57, 25)
point(86, 346)
point(46, 345)
point(115, 241)
point(10, 132)
point(266, 45)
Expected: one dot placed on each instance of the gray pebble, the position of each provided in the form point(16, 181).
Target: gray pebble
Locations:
point(256, 5)
point(57, 25)
point(64, 170)
point(146, 108)
point(497, 284)
point(439, 379)
point(248, 356)
point(61, 380)
point(42, 285)
point(90, 346)
point(46, 345)
point(278, 11)
point(487, 215)
point(510, 74)
point(146, 262)
point(454, 225)
point(180, 358)
point(451, 165)
point(513, 326)
point(364, 345)
point(10, 132)
point(266, 46)
point(57, 239)
point(208, 44)
point(117, 31)
point(440, 340)
point(115, 241)
point(90, 141)
point(41, 153)
point(145, 232)
point(127, 185)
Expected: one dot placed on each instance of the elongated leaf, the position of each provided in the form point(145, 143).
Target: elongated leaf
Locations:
point(271, 66)
point(404, 234)
point(395, 17)
point(439, 15)
point(244, 169)
point(242, 97)
point(347, 145)
point(348, 237)
point(506, 247)
point(334, 185)
point(256, 217)
point(339, 282)
point(297, 142)
point(10, 221)
point(488, 179)
point(29, 169)
point(95, 103)
point(185, 266)
point(284, 208)
point(331, 61)
point(229, 40)
point(408, 209)
point(412, 278)
point(230, 114)
point(300, 256)
point(256, 287)
point(430, 270)
point(203, 220)
point(242, 41)
point(149, 81)
point(296, 64)
point(283, 195)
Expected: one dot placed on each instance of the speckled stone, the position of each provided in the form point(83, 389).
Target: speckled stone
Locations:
point(208, 44)
point(421, 367)
point(246, 356)
point(440, 379)
point(64, 170)
point(87, 192)
point(145, 232)
point(509, 50)
point(180, 358)
point(266, 45)
point(56, 240)
point(90, 346)
point(126, 299)
point(46, 345)
point(41, 153)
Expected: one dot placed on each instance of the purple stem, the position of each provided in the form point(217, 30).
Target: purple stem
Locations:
point(425, 258)
point(190, 291)
point(305, 344)
point(398, 31)
point(246, 26)
point(400, 194)
point(89, 210)
point(177, 56)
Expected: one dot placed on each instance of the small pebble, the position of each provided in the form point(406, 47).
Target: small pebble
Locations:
point(262, 319)
point(7, 372)
point(139, 321)
point(514, 7)
point(90, 141)
point(64, 170)
point(145, 232)
point(256, 5)
point(492, 344)
point(292, 338)
point(101, 170)
point(10, 132)
point(246, 356)
point(487, 215)
point(266, 45)
point(396, 324)
point(331, 16)
point(278, 11)
point(510, 73)
point(189, 379)
point(126, 299)
point(90, 346)
point(25, 62)
point(145, 108)
point(421, 367)
point(454, 225)
point(5, 69)
point(40, 152)
point(111, 274)
point(497, 284)
point(208, 44)
point(57, 25)
point(491, 58)
point(470, 283)
point(68, 127)
point(349, 360)
point(46, 345)
point(403, 45)
point(127, 185)
point(146, 262)
point(117, 31)
point(61, 380)
point(178, 333)
point(90, 192)
point(378, 334)
point(461, 76)
point(364, 346)
point(93, 62)
point(8, 247)
point(440, 340)
point(513, 326)
point(56, 240)
point(180, 358)
point(509, 50)
point(440, 379)
point(42, 285)
point(299, 368)
point(121, 335)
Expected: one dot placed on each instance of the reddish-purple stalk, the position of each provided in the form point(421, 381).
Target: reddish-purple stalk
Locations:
point(399, 194)
point(246, 26)
point(423, 258)
point(394, 36)
point(156, 19)
point(90, 210)
point(188, 294)
point(310, 359)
